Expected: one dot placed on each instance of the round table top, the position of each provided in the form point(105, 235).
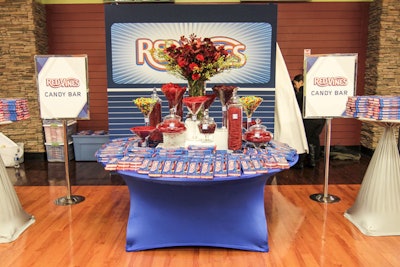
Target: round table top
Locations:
point(385, 123)
point(146, 177)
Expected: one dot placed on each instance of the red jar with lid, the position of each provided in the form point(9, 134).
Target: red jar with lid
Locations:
point(235, 120)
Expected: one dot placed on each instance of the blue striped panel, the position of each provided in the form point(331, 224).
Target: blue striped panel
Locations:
point(123, 113)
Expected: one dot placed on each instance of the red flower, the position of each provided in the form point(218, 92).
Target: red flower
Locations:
point(181, 62)
point(195, 76)
point(171, 47)
point(217, 56)
point(193, 66)
point(200, 57)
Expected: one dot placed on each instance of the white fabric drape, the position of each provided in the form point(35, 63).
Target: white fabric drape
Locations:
point(289, 126)
point(13, 219)
point(376, 210)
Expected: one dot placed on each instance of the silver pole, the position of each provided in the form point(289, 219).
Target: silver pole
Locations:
point(325, 197)
point(328, 129)
point(68, 199)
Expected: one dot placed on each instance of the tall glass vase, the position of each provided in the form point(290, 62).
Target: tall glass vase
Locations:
point(196, 88)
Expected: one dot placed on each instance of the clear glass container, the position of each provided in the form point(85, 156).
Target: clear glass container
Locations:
point(207, 126)
point(224, 93)
point(155, 115)
point(235, 120)
point(173, 130)
point(250, 104)
point(257, 134)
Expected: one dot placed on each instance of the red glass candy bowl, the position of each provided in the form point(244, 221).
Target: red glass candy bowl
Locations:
point(244, 124)
point(210, 100)
point(173, 93)
point(224, 92)
point(142, 131)
point(257, 137)
point(171, 126)
point(206, 128)
point(194, 103)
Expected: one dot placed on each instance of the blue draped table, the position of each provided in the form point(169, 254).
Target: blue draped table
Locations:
point(223, 212)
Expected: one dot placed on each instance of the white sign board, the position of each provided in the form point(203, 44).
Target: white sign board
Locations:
point(328, 82)
point(63, 87)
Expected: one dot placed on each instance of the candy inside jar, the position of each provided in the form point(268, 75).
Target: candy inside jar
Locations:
point(173, 130)
point(174, 94)
point(207, 126)
point(257, 135)
point(145, 105)
point(235, 119)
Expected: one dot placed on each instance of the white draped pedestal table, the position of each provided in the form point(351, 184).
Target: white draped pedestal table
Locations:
point(376, 211)
point(13, 218)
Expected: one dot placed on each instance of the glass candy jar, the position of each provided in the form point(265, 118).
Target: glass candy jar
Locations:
point(207, 126)
point(235, 119)
point(155, 115)
point(173, 130)
point(257, 135)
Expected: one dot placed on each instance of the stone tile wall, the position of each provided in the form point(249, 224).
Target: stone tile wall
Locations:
point(382, 75)
point(22, 36)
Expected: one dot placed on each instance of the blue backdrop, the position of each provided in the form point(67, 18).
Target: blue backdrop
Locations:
point(249, 30)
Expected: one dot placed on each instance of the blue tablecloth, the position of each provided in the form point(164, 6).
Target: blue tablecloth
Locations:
point(222, 212)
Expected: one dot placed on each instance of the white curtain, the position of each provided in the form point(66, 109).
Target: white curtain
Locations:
point(289, 126)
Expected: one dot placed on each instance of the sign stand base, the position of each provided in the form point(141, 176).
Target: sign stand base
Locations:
point(71, 200)
point(324, 199)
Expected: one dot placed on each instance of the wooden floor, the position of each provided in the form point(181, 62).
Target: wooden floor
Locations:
point(302, 232)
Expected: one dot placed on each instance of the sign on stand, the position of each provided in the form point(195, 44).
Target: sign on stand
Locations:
point(329, 80)
point(63, 87)
point(63, 94)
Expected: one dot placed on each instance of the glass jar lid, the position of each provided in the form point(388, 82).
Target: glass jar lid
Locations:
point(258, 133)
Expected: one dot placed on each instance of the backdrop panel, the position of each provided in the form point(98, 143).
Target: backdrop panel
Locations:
point(132, 30)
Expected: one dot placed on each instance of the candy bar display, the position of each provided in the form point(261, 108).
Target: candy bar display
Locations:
point(374, 107)
point(199, 127)
point(13, 109)
point(194, 162)
point(184, 155)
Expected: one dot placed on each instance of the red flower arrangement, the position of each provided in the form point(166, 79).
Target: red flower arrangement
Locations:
point(196, 60)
